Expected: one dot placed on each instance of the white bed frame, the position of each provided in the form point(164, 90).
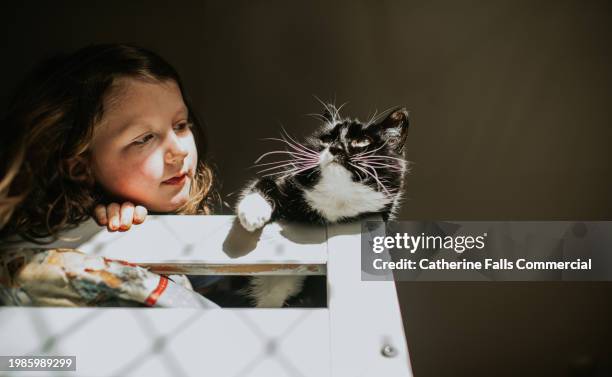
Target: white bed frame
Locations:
point(360, 333)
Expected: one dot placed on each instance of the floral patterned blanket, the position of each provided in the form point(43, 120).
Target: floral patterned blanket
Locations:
point(70, 278)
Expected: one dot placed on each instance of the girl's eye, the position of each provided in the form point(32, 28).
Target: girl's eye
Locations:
point(143, 140)
point(183, 126)
point(361, 142)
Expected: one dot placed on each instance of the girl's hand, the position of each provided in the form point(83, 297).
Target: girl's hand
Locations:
point(119, 217)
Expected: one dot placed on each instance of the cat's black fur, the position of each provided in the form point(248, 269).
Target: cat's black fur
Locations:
point(345, 171)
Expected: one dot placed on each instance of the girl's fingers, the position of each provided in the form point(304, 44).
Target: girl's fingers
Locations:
point(113, 213)
point(140, 213)
point(127, 215)
point(100, 215)
point(119, 217)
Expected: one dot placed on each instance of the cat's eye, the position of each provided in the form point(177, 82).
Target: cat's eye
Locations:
point(327, 139)
point(361, 142)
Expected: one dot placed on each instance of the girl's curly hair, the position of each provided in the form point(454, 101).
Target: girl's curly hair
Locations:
point(46, 183)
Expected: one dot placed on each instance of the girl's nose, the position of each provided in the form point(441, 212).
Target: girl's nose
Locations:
point(176, 151)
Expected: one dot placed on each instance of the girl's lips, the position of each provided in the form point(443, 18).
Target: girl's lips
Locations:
point(176, 180)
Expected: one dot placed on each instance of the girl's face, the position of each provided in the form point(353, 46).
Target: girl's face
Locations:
point(143, 149)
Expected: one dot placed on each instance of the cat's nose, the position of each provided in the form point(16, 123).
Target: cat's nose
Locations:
point(335, 149)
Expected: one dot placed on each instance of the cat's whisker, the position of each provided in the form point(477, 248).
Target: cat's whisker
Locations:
point(293, 144)
point(290, 172)
point(298, 172)
point(383, 113)
point(371, 155)
point(276, 167)
point(295, 148)
point(274, 162)
point(274, 174)
point(381, 165)
point(361, 179)
point(294, 164)
point(338, 109)
point(296, 143)
point(317, 116)
point(319, 99)
point(297, 160)
point(326, 106)
point(303, 149)
point(368, 174)
point(377, 180)
point(388, 162)
point(375, 176)
point(362, 170)
point(331, 109)
point(382, 179)
point(379, 157)
point(365, 178)
point(277, 152)
point(292, 156)
point(372, 117)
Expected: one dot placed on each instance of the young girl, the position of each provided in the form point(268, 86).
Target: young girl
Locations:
point(106, 131)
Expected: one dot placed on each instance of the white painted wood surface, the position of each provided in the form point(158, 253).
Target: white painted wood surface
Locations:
point(172, 342)
point(200, 239)
point(345, 339)
point(364, 316)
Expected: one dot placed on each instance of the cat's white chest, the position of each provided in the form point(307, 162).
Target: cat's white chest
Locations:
point(336, 196)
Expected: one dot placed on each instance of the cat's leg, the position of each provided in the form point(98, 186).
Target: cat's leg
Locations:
point(273, 291)
point(257, 204)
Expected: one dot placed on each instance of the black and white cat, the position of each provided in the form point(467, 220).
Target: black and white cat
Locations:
point(345, 171)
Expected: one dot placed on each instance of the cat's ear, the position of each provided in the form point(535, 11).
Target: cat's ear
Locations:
point(394, 128)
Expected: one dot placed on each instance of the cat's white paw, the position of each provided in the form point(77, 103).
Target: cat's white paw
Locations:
point(254, 211)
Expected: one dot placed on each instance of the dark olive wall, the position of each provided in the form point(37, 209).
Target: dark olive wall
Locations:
point(510, 108)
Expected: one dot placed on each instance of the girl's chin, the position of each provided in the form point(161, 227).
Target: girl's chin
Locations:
point(169, 205)
point(166, 207)
point(177, 202)
point(168, 202)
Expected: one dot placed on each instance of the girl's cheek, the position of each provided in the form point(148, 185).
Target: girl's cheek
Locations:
point(193, 149)
point(151, 167)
